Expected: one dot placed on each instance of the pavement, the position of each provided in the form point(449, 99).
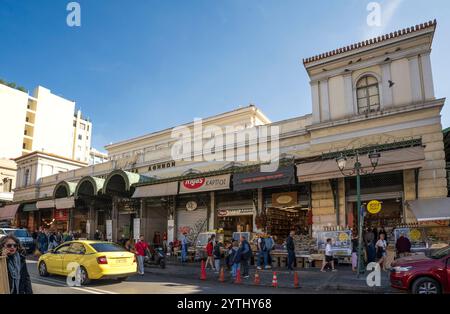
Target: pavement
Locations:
point(309, 278)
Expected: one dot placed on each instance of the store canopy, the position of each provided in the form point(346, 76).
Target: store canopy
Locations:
point(394, 160)
point(89, 186)
point(156, 190)
point(254, 180)
point(431, 209)
point(45, 204)
point(64, 203)
point(8, 212)
point(64, 189)
point(30, 207)
point(122, 181)
point(197, 185)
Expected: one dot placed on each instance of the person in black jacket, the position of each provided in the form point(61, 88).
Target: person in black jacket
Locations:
point(290, 246)
point(18, 277)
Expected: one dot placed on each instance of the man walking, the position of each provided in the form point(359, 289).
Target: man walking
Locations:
point(141, 249)
point(290, 246)
point(246, 254)
point(184, 248)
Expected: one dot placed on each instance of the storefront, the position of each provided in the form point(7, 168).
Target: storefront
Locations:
point(128, 210)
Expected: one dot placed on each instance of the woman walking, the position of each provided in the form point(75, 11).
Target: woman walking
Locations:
point(18, 277)
point(381, 246)
point(209, 253)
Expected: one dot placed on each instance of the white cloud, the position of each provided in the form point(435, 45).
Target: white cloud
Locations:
point(388, 10)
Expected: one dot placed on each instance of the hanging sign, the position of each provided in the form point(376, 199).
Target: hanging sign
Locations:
point(109, 230)
point(374, 207)
point(191, 206)
point(136, 228)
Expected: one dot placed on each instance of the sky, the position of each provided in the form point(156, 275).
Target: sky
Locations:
point(135, 67)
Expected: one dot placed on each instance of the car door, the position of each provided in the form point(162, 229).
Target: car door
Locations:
point(55, 260)
point(75, 254)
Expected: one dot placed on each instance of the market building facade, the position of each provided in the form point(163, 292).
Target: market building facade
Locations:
point(374, 96)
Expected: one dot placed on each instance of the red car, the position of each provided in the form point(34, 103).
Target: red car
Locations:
point(421, 274)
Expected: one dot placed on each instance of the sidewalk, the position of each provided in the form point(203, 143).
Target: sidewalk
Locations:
point(344, 279)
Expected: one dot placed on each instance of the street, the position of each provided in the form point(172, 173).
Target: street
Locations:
point(154, 284)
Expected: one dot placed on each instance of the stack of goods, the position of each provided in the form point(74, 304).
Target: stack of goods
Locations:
point(279, 222)
point(305, 244)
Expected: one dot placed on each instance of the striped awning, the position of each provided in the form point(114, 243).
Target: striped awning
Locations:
point(8, 212)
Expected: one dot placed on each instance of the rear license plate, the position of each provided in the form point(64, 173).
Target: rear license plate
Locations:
point(121, 261)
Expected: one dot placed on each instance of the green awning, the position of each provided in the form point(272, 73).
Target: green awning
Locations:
point(30, 207)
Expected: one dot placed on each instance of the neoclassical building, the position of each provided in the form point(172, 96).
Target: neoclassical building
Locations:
point(372, 96)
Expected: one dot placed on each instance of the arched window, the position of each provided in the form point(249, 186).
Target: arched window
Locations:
point(368, 94)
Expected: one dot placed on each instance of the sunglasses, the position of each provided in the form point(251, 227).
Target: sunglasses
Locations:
point(9, 246)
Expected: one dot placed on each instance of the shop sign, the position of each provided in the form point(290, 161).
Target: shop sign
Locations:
point(341, 243)
point(191, 206)
point(205, 184)
point(170, 230)
point(256, 180)
point(284, 199)
point(235, 212)
point(136, 228)
point(162, 165)
point(374, 207)
point(417, 236)
point(61, 214)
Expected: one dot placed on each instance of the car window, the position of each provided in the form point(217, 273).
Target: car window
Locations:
point(441, 253)
point(62, 249)
point(107, 247)
point(77, 248)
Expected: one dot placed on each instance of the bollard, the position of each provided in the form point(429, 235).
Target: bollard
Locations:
point(238, 277)
point(222, 275)
point(203, 271)
point(296, 280)
point(275, 280)
point(257, 279)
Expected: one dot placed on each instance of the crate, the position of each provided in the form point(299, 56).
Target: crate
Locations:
point(4, 284)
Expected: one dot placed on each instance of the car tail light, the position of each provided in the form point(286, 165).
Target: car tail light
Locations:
point(102, 260)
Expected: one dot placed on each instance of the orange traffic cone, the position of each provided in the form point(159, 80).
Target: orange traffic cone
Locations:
point(222, 275)
point(257, 279)
point(238, 277)
point(203, 271)
point(296, 280)
point(275, 280)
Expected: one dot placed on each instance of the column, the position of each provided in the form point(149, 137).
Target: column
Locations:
point(349, 95)
point(386, 91)
point(427, 76)
point(324, 101)
point(143, 220)
point(91, 221)
point(416, 85)
point(212, 217)
point(315, 102)
point(114, 218)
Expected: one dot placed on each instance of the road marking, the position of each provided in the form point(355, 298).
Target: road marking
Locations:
point(84, 289)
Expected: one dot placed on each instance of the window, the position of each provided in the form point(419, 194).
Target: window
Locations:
point(368, 94)
point(26, 177)
point(80, 137)
point(77, 248)
point(82, 126)
point(74, 123)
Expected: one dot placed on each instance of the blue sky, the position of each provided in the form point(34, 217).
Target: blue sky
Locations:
point(139, 66)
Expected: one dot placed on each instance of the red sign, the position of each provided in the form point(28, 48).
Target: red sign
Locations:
point(61, 214)
point(194, 183)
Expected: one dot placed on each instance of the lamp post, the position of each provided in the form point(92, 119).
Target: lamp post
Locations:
point(358, 171)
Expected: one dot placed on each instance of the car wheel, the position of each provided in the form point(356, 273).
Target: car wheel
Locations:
point(43, 269)
point(426, 285)
point(84, 277)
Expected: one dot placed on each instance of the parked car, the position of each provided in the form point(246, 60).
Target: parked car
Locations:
point(95, 260)
point(23, 235)
point(421, 274)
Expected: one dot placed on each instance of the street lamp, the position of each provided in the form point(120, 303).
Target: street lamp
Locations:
point(358, 171)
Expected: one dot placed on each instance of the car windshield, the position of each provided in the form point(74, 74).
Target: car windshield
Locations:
point(441, 253)
point(107, 247)
point(20, 233)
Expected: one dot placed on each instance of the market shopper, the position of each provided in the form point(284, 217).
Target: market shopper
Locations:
point(355, 245)
point(235, 258)
point(18, 276)
point(328, 257)
point(42, 241)
point(209, 253)
point(381, 247)
point(142, 249)
point(403, 246)
point(184, 247)
point(245, 256)
point(217, 255)
point(130, 246)
point(164, 241)
point(290, 246)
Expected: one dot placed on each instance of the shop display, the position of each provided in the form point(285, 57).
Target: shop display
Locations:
point(305, 244)
point(280, 222)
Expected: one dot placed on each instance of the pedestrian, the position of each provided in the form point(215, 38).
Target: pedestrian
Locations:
point(69, 236)
point(184, 247)
point(381, 246)
point(235, 258)
point(164, 242)
point(403, 246)
point(52, 241)
point(97, 235)
point(217, 252)
point(121, 241)
point(328, 257)
point(382, 231)
point(142, 249)
point(209, 253)
point(130, 246)
point(355, 245)
point(228, 256)
point(290, 246)
point(42, 242)
point(245, 256)
point(18, 276)
point(58, 238)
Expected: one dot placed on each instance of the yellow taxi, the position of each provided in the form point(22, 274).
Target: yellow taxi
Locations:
point(91, 259)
